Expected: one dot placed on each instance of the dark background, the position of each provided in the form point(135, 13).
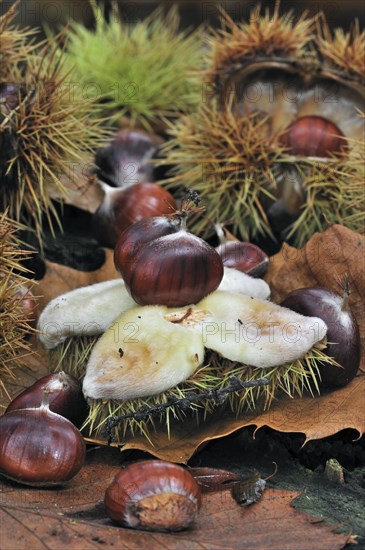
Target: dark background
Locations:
point(55, 13)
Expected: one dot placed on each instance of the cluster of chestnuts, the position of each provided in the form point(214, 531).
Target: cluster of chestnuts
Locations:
point(41, 447)
point(126, 177)
point(162, 263)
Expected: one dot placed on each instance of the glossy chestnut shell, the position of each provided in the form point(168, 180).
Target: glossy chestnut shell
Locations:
point(39, 447)
point(163, 264)
point(342, 335)
point(121, 208)
point(314, 136)
point(245, 257)
point(65, 397)
point(127, 159)
point(153, 495)
point(28, 304)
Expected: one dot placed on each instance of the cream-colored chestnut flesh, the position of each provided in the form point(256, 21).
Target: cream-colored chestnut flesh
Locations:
point(91, 310)
point(153, 348)
point(256, 332)
point(142, 354)
point(241, 283)
point(84, 311)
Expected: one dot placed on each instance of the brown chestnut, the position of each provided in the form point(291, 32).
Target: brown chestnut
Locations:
point(28, 304)
point(127, 159)
point(64, 394)
point(342, 334)
point(162, 263)
point(39, 447)
point(245, 257)
point(314, 136)
point(153, 495)
point(124, 207)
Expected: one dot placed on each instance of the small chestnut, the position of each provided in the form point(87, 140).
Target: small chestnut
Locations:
point(127, 158)
point(123, 207)
point(11, 96)
point(64, 394)
point(39, 447)
point(314, 136)
point(153, 495)
point(245, 257)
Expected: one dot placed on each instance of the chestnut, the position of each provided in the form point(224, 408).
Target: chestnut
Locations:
point(124, 207)
point(314, 136)
point(342, 334)
point(28, 304)
point(64, 394)
point(153, 495)
point(162, 263)
point(127, 159)
point(39, 447)
point(245, 257)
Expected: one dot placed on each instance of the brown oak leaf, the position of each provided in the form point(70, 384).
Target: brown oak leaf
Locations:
point(74, 517)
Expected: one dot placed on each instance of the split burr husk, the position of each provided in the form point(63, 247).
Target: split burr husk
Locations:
point(144, 415)
point(264, 75)
point(45, 128)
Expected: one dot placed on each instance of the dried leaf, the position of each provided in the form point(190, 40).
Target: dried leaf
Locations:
point(323, 261)
point(60, 279)
point(74, 517)
point(249, 491)
point(213, 479)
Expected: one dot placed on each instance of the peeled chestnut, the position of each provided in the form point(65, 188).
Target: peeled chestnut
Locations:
point(127, 159)
point(163, 264)
point(124, 207)
point(153, 495)
point(64, 394)
point(342, 335)
point(314, 136)
point(39, 447)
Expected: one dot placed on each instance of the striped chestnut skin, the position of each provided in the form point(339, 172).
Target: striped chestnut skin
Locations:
point(314, 136)
point(163, 264)
point(245, 257)
point(153, 495)
point(122, 208)
point(39, 447)
point(132, 241)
